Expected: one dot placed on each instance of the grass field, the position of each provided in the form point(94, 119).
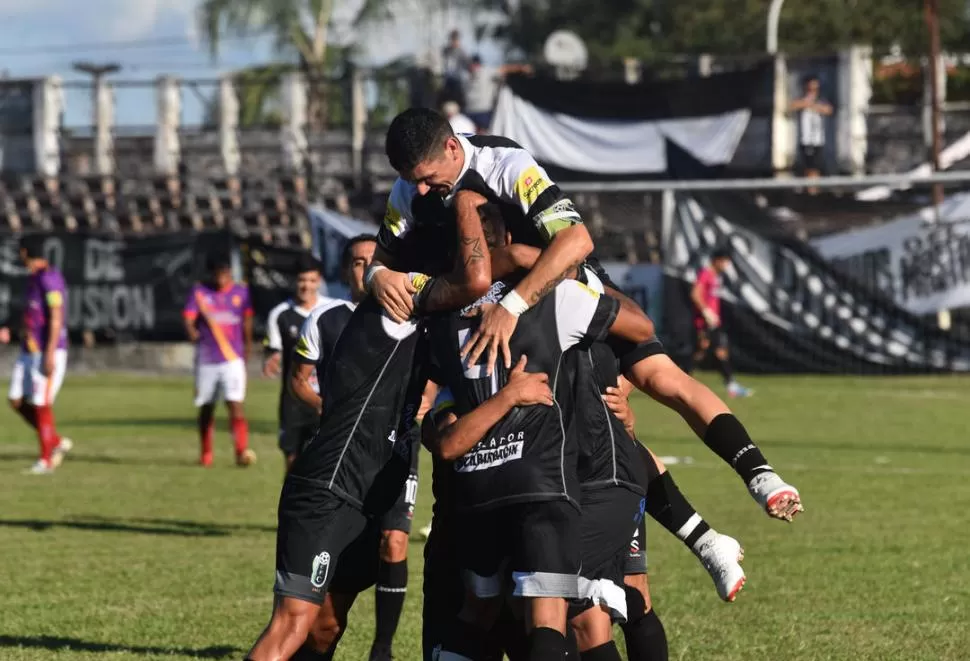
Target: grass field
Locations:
point(132, 551)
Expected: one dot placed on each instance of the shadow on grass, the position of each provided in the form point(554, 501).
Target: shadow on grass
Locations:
point(187, 423)
point(96, 524)
point(57, 643)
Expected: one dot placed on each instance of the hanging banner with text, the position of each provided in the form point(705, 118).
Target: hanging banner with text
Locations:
point(117, 288)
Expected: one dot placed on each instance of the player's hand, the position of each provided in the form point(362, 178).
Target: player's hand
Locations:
point(616, 399)
point(49, 363)
point(271, 366)
point(527, 388)
point(4, 335)
point(712, 319)
point(493, 334)
point(394, 291)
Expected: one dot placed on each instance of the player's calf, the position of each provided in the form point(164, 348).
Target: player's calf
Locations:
point(287, 630)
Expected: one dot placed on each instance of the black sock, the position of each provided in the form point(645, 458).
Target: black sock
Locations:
point(572, 645)
point(729, 440)
point(668, 507)
point(305, 653)
point(645, 638)
point(392, 585)
point(724, 367)
point(465, 640)
point(546, 644)
point(607, 652)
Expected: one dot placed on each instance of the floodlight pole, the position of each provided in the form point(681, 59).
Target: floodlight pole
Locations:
point(774, 16)
point(931, 10)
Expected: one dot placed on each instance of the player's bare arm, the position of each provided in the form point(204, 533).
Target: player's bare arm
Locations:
point(568, 249)
point(56, 326)
point(301, 388)
point(456, 436)
point(472, 275)
point(4, 335)
point(271, 365)
point(392, 289)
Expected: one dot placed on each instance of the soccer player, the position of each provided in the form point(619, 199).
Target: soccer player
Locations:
point(706, 298)
point(435, 166)
point(514, 478)
point(297, 422)
point(312, 353)
point(40, 369)
point(353, 470)
point(219, 320)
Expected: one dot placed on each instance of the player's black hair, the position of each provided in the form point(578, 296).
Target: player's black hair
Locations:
point(348, 254)
point(476, 59)
point(32, 245)
point(721, 252)
point(414, 136)
point(493, 224)
point(306, 263)
point(812, 77)
point(216, 261)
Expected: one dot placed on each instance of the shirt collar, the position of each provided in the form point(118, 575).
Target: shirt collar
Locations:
point(468, 151)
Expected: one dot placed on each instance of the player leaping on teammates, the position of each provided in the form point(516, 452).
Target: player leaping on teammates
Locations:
point(219, 320)
point(39, 371)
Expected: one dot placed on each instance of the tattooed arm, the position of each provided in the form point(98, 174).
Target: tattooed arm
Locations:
point(473, 271)
point(568, 249)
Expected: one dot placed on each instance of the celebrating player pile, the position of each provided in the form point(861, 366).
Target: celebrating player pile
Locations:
point(483, 284)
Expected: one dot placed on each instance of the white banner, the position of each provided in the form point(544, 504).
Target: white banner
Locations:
point(922, 265)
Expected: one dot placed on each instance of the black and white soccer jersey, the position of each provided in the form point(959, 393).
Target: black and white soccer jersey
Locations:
point(533, 206)
point(525, 457)
point(283, 332)
point(371, 392)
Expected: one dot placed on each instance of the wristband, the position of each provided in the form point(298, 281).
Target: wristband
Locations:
point(514, 303)
point(371, 271)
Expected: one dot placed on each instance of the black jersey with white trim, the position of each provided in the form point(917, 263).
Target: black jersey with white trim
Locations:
point(524, 457)
point(284, 331)
point(533, 206)
point(371, 392)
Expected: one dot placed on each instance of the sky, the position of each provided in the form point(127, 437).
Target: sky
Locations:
point(154, 37)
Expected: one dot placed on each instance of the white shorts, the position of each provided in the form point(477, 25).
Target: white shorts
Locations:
point(227, 379)
point(29, 381)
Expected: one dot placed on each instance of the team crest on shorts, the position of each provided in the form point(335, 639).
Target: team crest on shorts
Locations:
point(320, 570)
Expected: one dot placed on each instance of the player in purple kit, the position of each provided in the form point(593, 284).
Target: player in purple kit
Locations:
point(40, 369)
point(219, 319)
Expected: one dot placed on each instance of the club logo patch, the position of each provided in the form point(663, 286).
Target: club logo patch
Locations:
point(320, 570)
point(294, 331)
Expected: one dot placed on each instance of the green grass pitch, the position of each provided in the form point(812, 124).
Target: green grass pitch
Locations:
point(131, 551)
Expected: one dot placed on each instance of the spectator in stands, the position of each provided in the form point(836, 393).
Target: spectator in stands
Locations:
point(459, 123)
point(812, 111)
point(706, 296)
point(482, 88)
point(455, 63)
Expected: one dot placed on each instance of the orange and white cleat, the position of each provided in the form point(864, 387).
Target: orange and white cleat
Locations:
point(778, 498)
point(721, 556)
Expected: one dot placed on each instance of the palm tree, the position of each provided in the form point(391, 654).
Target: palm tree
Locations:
point(300, 27)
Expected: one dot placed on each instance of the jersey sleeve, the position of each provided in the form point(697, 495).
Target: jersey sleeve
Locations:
point(274, 339)
point(54, 290)
point(247, 302)
point(307, 349)
point(398, 219)
point(582, 314)
point(527, 184)
point(191, 309)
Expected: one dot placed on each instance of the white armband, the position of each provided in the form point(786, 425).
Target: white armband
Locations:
point(514, 303)
point(371, 272)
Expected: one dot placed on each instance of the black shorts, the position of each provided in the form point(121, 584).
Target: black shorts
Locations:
point(298, 426)
point(635, 557)
point(444, 591)
point(610, 517)
point(813, 157)
point(538, 544)
point(323, 543)
point(713, 338)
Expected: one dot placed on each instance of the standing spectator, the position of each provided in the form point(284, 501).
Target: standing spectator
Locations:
point(459, 123)
point(455, 63)
point(811, 111)
point(483, 84)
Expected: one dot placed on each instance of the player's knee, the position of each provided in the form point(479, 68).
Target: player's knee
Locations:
point(394, 546)
point(16, 404)
point(722, 354)
point(325, 632)
point(291, 622)
point(235, 410)
point(593, 627)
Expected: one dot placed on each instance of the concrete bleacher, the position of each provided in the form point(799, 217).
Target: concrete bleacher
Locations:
point(273, 208)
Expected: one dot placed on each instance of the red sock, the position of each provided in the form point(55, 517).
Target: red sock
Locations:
point(45, 432)
point(205, 435)
point(29, 413)
point(240, 434)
